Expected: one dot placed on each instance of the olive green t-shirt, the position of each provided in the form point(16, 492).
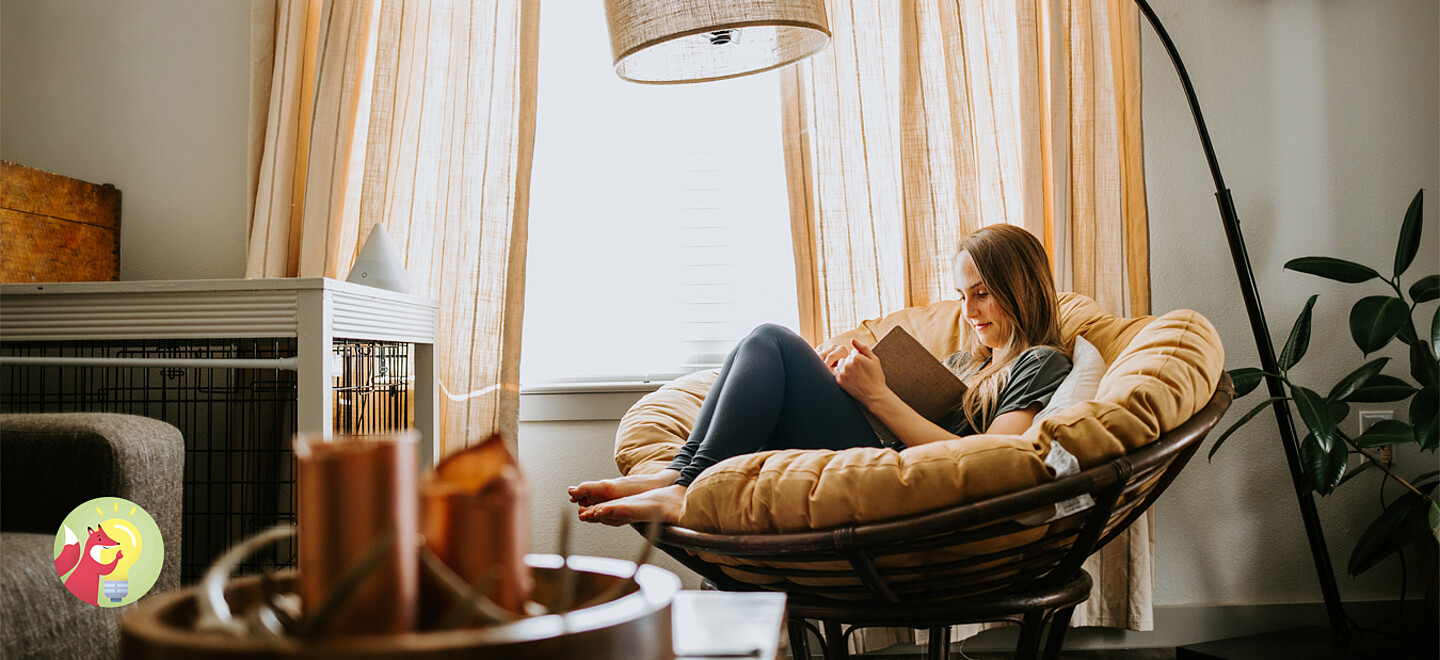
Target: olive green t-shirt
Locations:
point(1034, 377)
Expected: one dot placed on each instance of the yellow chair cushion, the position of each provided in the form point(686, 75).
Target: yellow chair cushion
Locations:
point(1161, 371)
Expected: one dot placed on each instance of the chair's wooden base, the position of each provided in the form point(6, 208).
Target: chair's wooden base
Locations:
point(1043, 615)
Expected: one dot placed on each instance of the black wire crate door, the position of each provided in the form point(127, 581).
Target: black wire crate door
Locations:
point(237, 422)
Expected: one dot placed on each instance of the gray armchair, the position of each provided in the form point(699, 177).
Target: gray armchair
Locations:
point(49, 464)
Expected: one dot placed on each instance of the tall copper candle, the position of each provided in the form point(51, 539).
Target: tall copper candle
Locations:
point(353, 491)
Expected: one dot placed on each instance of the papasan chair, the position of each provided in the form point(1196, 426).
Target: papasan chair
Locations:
point(983, 528)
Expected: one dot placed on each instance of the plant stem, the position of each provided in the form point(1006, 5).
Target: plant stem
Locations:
point(1380, 464)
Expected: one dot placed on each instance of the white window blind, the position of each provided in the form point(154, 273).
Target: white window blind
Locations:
point(659, 227)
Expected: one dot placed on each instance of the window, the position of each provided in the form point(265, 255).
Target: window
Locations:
point(659, 219)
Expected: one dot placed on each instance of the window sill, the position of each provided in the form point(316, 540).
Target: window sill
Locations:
point(573, 402)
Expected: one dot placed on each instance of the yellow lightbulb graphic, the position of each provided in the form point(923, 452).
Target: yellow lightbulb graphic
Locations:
point(124, 532)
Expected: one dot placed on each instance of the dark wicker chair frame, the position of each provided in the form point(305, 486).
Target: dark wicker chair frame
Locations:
point(1037, 584)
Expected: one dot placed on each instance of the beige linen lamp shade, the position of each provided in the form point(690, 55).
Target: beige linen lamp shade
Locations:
point(682, 41)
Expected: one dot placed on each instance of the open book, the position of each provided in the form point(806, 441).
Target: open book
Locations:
point(920, 380)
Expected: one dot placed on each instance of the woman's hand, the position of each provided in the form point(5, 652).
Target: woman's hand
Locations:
point(860, 375)
point(831, 354)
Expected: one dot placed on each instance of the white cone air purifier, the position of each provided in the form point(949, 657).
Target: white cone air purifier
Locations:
point(379, 264)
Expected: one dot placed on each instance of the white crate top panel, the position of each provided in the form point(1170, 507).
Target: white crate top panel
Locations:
point(181, 309)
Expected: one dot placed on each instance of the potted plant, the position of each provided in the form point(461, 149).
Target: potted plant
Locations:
point(1412, 517)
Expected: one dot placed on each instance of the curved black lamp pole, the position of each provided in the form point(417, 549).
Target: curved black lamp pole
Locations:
point(1261, 331)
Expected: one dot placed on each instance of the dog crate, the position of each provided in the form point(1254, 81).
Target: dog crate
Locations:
point(160, 350)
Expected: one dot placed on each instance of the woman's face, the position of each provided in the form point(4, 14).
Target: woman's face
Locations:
point(982, 311)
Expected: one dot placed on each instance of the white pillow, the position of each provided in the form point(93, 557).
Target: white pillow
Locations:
point(1083, 381)
point(1081, 384)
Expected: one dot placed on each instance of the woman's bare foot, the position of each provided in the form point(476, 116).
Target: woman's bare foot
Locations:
point(656, 505)
point(591, 493)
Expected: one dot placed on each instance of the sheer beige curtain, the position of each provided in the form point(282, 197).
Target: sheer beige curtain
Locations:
point(418, 115)
point(927, 119)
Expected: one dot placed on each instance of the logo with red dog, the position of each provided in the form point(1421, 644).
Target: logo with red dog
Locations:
point(108, 552)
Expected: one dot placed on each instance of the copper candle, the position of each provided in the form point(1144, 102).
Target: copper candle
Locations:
point(476, 520)
point(353, 491)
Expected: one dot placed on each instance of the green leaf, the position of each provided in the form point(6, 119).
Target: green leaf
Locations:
point(1375, 320)
point(1434, 519)
point(1356, 380)
point(1324, 468)
point(1409, 235)
point(1435, 332)
point(1423, 367)
point(1407, 333)
point(1333, 269)
point(1422, 415)
point(1382, 389)
point(1236, 426)
point(1420, 480)
point(1385, 432)
point(1316, 417)
point(1405, 521)
point(1338, 410)
point(1350, 474)
point(1425, 289)
point(1299, 340)
point(1246, 380)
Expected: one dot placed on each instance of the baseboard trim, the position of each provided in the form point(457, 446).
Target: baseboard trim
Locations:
point(1186, 624)
point(1307, 643)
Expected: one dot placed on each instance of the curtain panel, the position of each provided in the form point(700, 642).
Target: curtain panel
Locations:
point(418, 115)
point(927, 119)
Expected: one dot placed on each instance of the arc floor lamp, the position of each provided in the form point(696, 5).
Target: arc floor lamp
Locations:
point(1261, 331)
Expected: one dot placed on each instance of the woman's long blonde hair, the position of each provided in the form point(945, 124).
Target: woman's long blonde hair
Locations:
point(1016, 271)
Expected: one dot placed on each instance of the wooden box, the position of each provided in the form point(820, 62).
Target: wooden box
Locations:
point(57, 229)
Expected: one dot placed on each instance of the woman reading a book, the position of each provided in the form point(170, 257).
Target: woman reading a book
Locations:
point(776, 392)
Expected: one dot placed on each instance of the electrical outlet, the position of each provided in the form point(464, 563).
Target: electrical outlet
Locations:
point(1368, 418)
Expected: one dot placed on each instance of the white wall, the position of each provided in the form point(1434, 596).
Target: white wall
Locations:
point(1326, 121)
point(149, 95)
point(1324, 115)
point(557, 454)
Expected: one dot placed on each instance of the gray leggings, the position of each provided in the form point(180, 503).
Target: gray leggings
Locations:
point(773, 392)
